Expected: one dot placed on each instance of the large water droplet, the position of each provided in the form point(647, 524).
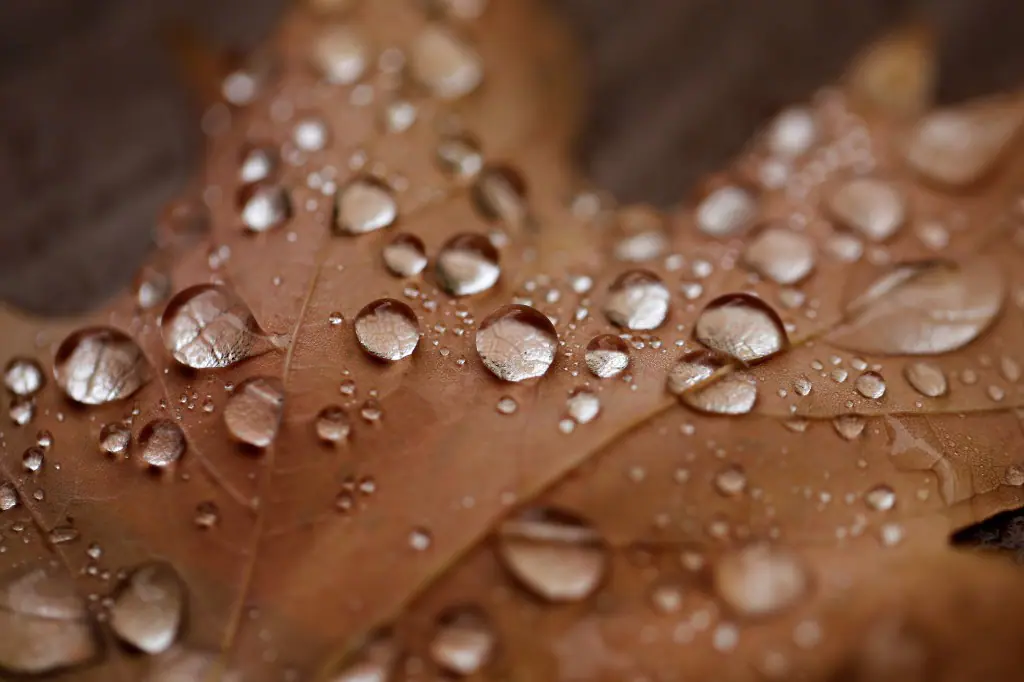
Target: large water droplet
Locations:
point(332, 424)
point(148, 608)
point(726, 211)
point(732, 394)
point(23, 376)
point(253, 412)
point(364, 205)
point(467, 264)
point(517, 343)
point(760, 581)
point(100, 365)
point(554, 554)
point(637, 300)
point(340, 54)
point(692, 370)
point(264, 206)
point(387, 329)
point(444, 63)
point(162, 443)
point(464, 641)
point(871, 385)
point(742, 327)
point(205, 327)
point(926, 378)
point(872, 207)
point(781, 255)
point(44, 624)
point(405, 256)
point(607, 356)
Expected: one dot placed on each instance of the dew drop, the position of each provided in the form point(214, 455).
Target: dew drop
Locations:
point(467, 264)
point(186, 664)
point(583, 406)
point(781, 255)
point(375, 662)
point(742, 327)
point(207, 515)
point(607, 356)
point(340, 54)
point(870, 206)
point(733, 394)
point(115, 439)
point(849, 426)
point(926, 378)
point(444, 63)
point(162, 442)
point(32, 459)
point(148, 608)
point(152, 286)
point(463, 642)
point(880, 498)
point(726, 211)
point(499, 193)
point(460, 157)
point(310, 134)
point(332, 424)
point(8, 497)
point(731, 481)
point(420, 539)
point(253, 412)
point(554, 554)
point(405, 256)
point(760, 581)
point(21, 411)
point(364, 205)
point(516, 343)
point(692, 370)
point(637, 300)
point(1013, 476)
point(23, 377)
point(792, 133)
point(387, 329)
point(207, 327)
point(100, 365)
point(507, 405)
point(871, 385)
point(264, 206)
point(258, 164)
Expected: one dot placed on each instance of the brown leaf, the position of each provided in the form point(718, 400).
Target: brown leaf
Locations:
point(399, 394)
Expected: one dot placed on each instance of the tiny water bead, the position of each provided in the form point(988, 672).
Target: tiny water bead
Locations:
point(99, 365)
point(253, 411)
point(607, 356)
point(364, 205)
point(340, 54)
point(405, 256)
point(741, 326)
point(781, 255)
point(726, 211)
point(870, 206)
point(760, 580)
point(637, 300)
point(870, 385)
point(332, 424)
point(517, 343)
point(467, 264)
point(23, 376)
point(387, 329)
point(463, 642)
point(554, 554)
point(264, 206)
point(444, 63)
point(926, 378)
point(162, 443)
point(206, 327)
point(114, 439)
point(148, 608)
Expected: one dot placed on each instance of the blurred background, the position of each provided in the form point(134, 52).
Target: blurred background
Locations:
point(97, 132)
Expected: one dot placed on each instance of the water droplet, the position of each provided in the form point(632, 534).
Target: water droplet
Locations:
point(444, 63)
point(310, 134)
point(99, 365)
point(467, 264)
point(115, 439)
point(741, 326)
point(22, 411)
point(387, 329)
point(781, 255)
point(880, 498)
point(186, 664)
point(726, 211)
point(607, 356)
point(692, 369)
point(264, 206)
point(162, 442)
point(420, 539)
point(8, 497)
point(516, 343)
point(731, 481)
point(1014, 475)
point(332, 424)
point(507, 405)
point(253, 412)
point(890, 534)
point(733, 394)
point(340, 54)
point(148, 608)
point(364, 205)
point(460, 157)
point(152, 286)
point(554, 554)
point(792, 133)
point(637, 300)
point(464, 641)
point(258, 164)
point(44, 624)
point(849, 426)
point(760, 580)
point(499, 193)
point(23, 377)
point(375, 662)
point(32, 459)
point(399, 116)
point(206, 327)
point(207, 515)
point(870, 385)
point(870, 206)
point(926, 378)
point(405, 256)
point(583, 406)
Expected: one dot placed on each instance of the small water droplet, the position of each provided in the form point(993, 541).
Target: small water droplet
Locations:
point(100, 365)
point(253, 412)
point(405, 256)
point(310, 134)
point(8, 497)
point(460, 157)
point(162, 443)
point(444, 63)
point(375, 662)
point(206, 327)
point(463, 642)
point(499, 193)
point(115, 439)
point(926, 378)
point(32, 459)
point(148, 608)
point(507, 405)
point(733, 394)
point(22, 411)
point(583, 406)
point(1014, 475)
point(781, 255)
point(792, 133)
point(607, 356)
point(364, 205)
point(332, 424)
point(371, 411)
point(880, 498)
point(872, 207)
point(741, 326)
point(955, 147)
point(340, 54)
point(264, 206)
point(849, 426)
point(207, 515)
point(871, 385)
point(637, 300)
point(258, 164)
point(152, 286)
point(23, 377)
point(420, 539)
point(760, 580)
point(516, 343)
point(387, 329)
point(692, 369)
point(726, 211)
point(731, 481)
point(554, 554)
point(467, 264)
point(890, 534)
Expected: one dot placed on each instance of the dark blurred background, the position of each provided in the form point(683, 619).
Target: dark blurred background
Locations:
point(96, 133)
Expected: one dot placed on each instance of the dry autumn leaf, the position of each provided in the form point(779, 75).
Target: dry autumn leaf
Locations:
point(398, 397)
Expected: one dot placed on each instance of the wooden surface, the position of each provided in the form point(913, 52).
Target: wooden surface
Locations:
point(96, 134)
